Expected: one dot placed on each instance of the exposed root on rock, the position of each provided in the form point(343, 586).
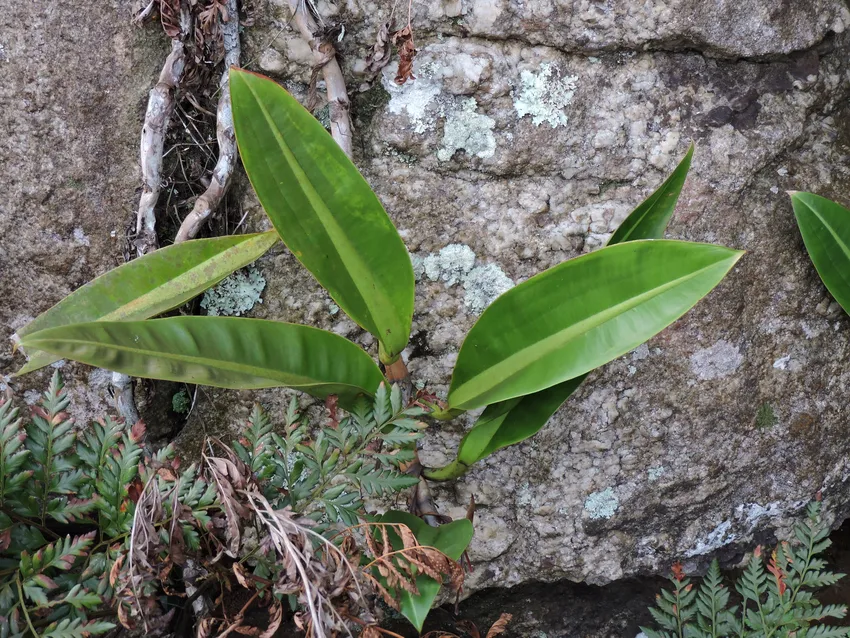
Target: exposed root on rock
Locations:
point(210, 199)
point(160, 107)
point(324, 56)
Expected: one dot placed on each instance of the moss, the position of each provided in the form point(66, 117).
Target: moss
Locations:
point(181, 402)
point(368, 103)
point(765, 417)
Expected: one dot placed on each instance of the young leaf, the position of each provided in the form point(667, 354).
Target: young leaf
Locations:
point(580, 315)
point(149, 285)
point(323, 209)
point(451, 539)
point(650, 219)
point(825, 227)
point(225, 352)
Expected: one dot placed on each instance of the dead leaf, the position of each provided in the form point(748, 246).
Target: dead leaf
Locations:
point(499, 626)
point(275, 618)
point(381, 51)
point(403, 40)
point(169, 12)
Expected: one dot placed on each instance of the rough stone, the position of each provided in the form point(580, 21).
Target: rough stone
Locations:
point(664, 442)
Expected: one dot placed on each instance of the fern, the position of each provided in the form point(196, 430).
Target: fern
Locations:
point(776, 594)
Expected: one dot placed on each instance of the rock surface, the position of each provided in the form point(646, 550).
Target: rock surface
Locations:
point(531, 130)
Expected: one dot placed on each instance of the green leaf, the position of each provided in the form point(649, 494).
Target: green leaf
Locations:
point(503, 424)
point(825, 227)
point(452, 539)
point(508, 422)
point(323, 209)
point(650, 219)
point(150, 285)
point(580, 315)
point(225, 352)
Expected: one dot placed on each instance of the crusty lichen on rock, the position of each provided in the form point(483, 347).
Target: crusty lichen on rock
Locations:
point(236, 294)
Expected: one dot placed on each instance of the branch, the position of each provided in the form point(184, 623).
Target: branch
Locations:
point(210, 199)
point(324, 55)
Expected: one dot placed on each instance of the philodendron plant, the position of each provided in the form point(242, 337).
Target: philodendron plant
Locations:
point(825, 226)
point(522, 359)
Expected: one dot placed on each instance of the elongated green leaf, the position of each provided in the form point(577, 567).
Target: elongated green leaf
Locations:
point(825, 227)
point(581, 314)
point(226, 352)
point(452, 539)
point(150, 285)
point(508, 422)
point(323, 209)
point(650, 219)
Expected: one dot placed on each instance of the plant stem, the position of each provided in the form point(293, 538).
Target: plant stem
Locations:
point(24, 606)
point(453, 470)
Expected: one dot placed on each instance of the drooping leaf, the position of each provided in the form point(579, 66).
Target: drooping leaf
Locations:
point(582, 314)
point(508, 422)
point(150, 285)
point(226, 352)
point(323, 209)
point(451, 539)
point(825, 226)
point(650, 219)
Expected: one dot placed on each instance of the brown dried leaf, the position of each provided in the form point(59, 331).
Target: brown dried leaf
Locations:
point(206, 627)
point(169, 12)
point(5, 539)
point(242, 576)
point(115, 570)
point(370, 632)
point(275, 619)
point(381, 51)
point(382, 591)
point(499, 626)
point(403, 39)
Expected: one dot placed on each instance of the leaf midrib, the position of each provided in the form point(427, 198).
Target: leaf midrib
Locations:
point(517, 363)
point(229, 367)
point(357, 269)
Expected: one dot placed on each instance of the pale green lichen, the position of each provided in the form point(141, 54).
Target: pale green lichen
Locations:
point(469, 131)
point(450, 265)
point(483, 284)
point(655, 473)
point(545, 95)
point(236, 294)
point(180, 402)
point(455, 264)
point(602, 504)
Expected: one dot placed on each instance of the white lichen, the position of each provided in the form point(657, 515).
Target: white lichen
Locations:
point(412, 98)
point(717, 361)
point(468, 130)
point(483, 284)
point(545, 95)
point(602, 504)
point(717, 538)
point(236, 294)
point(450, 265)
